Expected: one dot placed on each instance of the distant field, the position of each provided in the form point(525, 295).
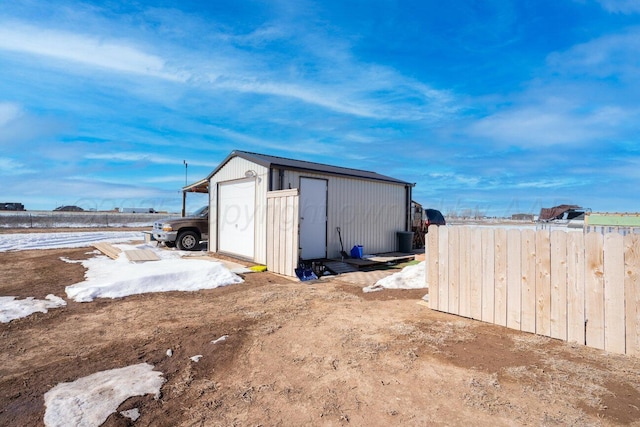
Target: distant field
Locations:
point(57, 219)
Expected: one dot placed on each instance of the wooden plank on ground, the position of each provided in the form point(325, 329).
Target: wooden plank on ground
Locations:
point(390, 257)
point(575, 288)
point(339, 267)
point(632, 292)
point(108, 249)
point(528, 289)
point(594, 290)
point(141, 255)
point(614, 325)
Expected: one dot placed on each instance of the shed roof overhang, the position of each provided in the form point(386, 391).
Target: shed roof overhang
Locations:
point(201, 186)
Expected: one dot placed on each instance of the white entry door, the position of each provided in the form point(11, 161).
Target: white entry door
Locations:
point(236, 217)
point(313, 218)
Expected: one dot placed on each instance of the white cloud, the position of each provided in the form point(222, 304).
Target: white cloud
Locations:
point(587, 95)
point(115, 55)
point(9, 112)
point(132, 157)
point(338, 82)
point(621, 6)
point(10, 166)
point(612, 54)
point(531, 126)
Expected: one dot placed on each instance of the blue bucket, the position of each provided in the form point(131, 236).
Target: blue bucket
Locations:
point(356, 251)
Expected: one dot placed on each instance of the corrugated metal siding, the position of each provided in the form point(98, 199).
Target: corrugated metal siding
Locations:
point(369, 213)
point(235, 169)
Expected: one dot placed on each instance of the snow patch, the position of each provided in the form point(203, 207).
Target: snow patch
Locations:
point(410, 277)
point(27, 241)
point(221, 339)
point(107, 278)
point(90, 400)
point(11, 308)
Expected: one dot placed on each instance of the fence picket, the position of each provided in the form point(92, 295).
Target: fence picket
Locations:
point(432, 262)
point(454, 270)
point(575, 288)
point(558, 281)
point(614, 326)
point(475, 265)
point(443, 268)
point(488, 275)
point(543, 283)
point(464, 275)
point(501, 277)
point(528, 290)
point(271, 256)
point(277, 228)
point(632, 292)
point(514, 279)
point(594, 290)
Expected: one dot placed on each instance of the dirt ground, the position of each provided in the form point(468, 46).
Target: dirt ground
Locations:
point(312, 353)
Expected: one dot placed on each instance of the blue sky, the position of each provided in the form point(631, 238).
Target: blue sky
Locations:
point(491, 106)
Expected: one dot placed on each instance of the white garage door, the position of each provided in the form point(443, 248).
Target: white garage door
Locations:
point(236, 215)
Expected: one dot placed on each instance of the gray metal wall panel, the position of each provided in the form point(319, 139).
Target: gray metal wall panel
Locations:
point(369, 213)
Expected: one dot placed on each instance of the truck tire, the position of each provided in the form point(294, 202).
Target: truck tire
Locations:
point(188, 241)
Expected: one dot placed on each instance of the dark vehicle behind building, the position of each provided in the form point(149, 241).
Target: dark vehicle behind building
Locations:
point(434, 217)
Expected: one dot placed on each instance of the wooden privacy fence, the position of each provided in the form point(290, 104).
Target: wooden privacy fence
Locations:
point(282, 231)
point(568, 285)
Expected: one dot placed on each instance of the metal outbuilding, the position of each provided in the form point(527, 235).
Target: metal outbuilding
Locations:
point(279, 212)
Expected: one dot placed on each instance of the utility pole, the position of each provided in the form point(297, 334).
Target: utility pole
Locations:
point(186, 165)
point(184, 193)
